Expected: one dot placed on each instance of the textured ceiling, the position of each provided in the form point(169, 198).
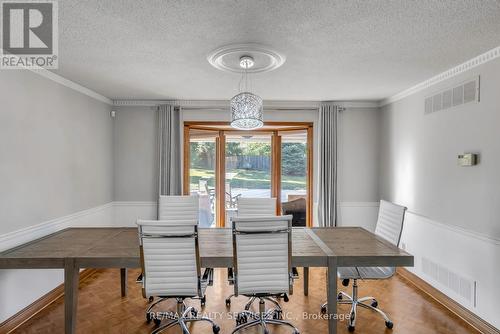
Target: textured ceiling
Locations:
point(336, 50)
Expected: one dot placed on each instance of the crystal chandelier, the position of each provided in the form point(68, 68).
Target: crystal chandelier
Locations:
point(246, 108)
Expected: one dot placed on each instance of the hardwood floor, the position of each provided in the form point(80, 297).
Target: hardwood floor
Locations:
point(102, 310)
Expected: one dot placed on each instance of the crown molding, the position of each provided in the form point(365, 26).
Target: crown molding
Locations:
point(67, 83)
point(70, 84)
point(452, 72)
point(224, 104)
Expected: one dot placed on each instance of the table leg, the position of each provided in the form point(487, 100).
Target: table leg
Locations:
point(123, 279)
point(71, 279)
point(332, 295)
point(306, 281)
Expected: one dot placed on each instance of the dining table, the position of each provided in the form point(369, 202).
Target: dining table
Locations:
point(73, 249)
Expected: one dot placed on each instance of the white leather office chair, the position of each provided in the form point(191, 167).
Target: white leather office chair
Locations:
point(252, 207)
point(170, 262)
point(181, 210)
point(173, 208)
point(256, 206)
point(262, 255)
point(389, 227)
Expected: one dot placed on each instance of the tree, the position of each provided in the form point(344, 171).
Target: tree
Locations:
point(293, 159)
point(202, 154)
point(258, 149)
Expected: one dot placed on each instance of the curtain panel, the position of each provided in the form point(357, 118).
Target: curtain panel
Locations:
point(327, 201)
point(169, 150)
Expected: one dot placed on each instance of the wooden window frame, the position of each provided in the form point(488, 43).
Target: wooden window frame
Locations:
point(221, 128)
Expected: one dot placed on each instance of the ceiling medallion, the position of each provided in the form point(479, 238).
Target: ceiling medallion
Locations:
point(227, 58)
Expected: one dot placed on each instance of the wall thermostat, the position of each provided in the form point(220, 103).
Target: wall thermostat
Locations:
point(467, 159)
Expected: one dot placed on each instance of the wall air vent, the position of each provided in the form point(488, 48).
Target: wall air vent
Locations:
point(464, 93)
point(458, 285)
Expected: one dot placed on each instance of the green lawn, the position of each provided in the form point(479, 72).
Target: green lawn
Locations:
point(249, 179)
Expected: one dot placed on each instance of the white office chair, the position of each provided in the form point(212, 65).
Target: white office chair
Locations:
point(176, 209)
point(170, 262)
point(173, 208)
point(252, 207)
point(389, 226)
point(262, 255)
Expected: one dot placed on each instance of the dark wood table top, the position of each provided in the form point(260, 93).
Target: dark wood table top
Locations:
point(119, 248)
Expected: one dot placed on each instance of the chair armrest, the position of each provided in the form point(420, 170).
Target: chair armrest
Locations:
point(230, 276)
point(208, 276)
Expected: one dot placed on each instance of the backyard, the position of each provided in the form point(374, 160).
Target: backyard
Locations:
point(248, 179)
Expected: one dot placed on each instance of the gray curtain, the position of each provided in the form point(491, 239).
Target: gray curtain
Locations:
point(327, 201)
point(169, 149)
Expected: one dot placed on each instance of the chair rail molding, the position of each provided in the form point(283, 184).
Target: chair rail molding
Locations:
point(90, 217)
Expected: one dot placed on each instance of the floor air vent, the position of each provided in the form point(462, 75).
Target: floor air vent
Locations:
point(461, 286)
point(464, 93)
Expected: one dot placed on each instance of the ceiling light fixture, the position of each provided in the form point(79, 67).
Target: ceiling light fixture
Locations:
point(246, 107)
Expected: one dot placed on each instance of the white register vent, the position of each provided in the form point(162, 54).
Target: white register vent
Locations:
point(466, 92)
point(461, 287)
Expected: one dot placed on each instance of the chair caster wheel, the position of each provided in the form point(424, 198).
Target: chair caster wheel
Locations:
point(203, 301)
point(278, 315)
point(148, 317)
point(323, 309)
point(350, 328)
point(194, 313)
point(345, 282)
point(266, 331)
point(151, 299)
point(389, 324)
point(285, 298)
point(339, 296)
point(215, 329)
point(241, 319)
point(296, 332)
point(374, 303)
point(228, 302)
point(157, 322)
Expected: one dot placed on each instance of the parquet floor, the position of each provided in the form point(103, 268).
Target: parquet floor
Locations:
point(102, 310)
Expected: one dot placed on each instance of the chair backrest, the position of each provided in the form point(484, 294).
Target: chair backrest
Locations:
point(251, 207)
point(174, 208)
point(390, 221)
point(169, 258)
point(262, 253)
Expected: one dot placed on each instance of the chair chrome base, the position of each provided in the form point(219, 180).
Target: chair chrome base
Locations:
point(354, 301)
point(183, 315)
point(252, 299)
point(263, 317)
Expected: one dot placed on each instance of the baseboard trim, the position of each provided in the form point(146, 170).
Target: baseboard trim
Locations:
point(12, 323)
point(472, 319)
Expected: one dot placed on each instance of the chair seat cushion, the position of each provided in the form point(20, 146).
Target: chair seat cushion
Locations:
point(365, 272)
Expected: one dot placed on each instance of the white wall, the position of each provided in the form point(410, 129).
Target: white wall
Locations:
point(135, 154)
point(56, 160)
point(453, 211)
point(358, 163)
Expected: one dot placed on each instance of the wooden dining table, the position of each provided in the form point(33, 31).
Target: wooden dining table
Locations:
point(118, 247)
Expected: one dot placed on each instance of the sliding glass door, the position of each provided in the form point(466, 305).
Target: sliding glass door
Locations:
point(222, 164)
point(248, 167)
point(202, 173)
